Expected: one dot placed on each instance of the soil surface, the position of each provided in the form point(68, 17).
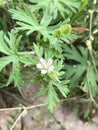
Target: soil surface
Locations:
point(40, 119)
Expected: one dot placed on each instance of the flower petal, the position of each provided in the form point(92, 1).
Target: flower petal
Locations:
point(43, 71)
point(49, 61)
point(43, 62)
point(39, 66)
point(51, 68)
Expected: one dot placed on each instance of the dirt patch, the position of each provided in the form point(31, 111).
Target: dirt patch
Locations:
point(40, 118)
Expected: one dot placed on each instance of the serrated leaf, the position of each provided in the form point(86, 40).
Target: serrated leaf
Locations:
point(58, 4)
point(9, 47)
point(74, 72)
point(80, 55)
point(42, 92)
point(52, 97)
point(91, 82)
point(15, 75)
point(27, 60)
point(28, 22)
point(3, 47)
point(63, 88)
point(38, 50)
point(77, 63)
point(5, 61)
point(58, 65)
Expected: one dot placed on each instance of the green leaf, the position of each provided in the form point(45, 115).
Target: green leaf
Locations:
point(26, 19)
point(72, 4)
point(27, 59)
point(25, 16)
point(63, 88)
point(9, 46)
point(74, 72)
point(59, 5)
point(69, 38)
point(3, 46)
point(77, 63)
point(42, 92)
point(44, 21)
point(52, 97)
point(31, 24)
point(83, 4)
point(5, 61)
point(80, 55)
point(38, 50)
point(58, 65)
point(91, 82)
point(12, 40)
point(15, 75)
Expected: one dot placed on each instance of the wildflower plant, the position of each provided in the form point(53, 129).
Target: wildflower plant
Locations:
point(42, 38)
point(45, 66)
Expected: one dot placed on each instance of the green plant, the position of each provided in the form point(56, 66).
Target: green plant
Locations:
point(42, 39)
point(80, 69)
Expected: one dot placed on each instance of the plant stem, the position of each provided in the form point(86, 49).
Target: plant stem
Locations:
point(90, 27)
point(59, 123)
point(90, 39)
point(21, 114)
point(24, 53)
point(20, 108)
point(93, 61)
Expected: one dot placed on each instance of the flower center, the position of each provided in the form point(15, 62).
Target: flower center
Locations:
point(46, 66)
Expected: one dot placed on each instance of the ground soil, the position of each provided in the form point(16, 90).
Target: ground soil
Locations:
point(40, 119)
